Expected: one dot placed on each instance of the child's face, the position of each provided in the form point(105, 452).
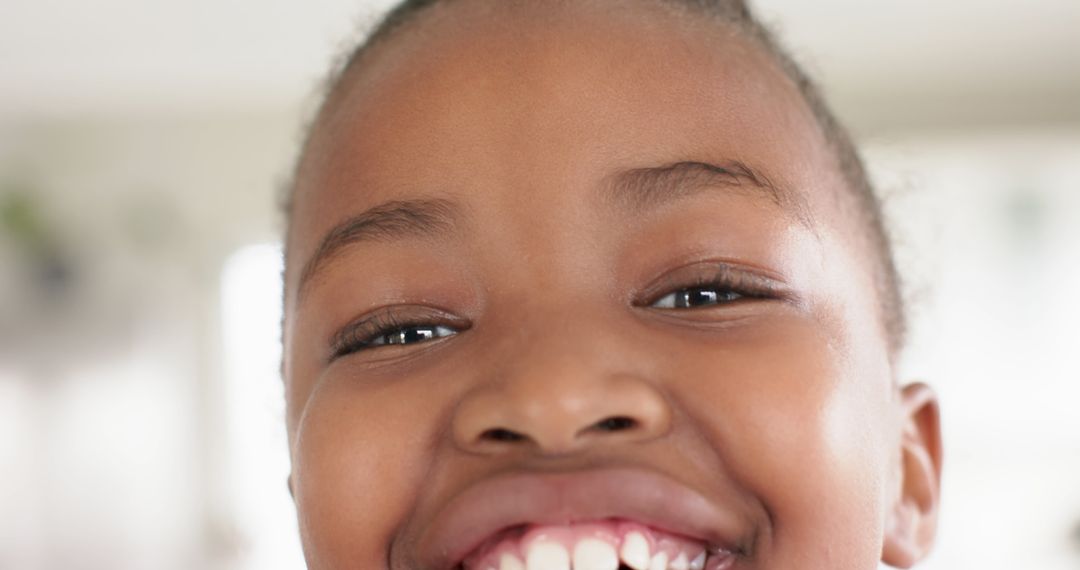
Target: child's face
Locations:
point(599, 326)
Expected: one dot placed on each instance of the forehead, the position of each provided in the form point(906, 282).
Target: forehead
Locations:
point(542, 99)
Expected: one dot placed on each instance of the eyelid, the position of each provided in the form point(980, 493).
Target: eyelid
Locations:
point(753, 282)
point(389, 317)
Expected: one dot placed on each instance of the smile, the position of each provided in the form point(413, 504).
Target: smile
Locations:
point(600, 519)
point(600, 545)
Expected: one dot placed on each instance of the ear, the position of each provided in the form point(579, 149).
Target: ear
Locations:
point(912, 521)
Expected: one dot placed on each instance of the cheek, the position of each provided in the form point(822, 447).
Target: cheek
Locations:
point(359, 459)
point(806, 433)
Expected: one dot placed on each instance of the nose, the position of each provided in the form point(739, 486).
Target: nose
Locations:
point(560, 402)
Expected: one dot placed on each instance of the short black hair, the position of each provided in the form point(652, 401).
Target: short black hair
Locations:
point(867, 204)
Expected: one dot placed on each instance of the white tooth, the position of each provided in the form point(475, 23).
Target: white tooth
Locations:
point(680, 562)
point(635, 551)
point(545, 555)
point(698, 563)
point(510, 562)
point(658, 562)
point(595, 554)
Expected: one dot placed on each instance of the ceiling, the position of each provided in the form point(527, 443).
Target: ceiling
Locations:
point(884, 62)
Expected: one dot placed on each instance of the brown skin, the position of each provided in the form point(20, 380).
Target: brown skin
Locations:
point(783, 408)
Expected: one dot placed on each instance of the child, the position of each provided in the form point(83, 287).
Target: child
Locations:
point(594, 285)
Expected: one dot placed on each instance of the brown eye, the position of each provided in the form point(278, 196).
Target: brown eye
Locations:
point(391, 335)
point(409, 335)
point(395, 326)
point(711, 284)
point(695, 297)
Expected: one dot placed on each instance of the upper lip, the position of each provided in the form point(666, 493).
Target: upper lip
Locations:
point(507, 501)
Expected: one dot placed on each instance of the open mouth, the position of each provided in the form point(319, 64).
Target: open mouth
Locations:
point(613, 518)
point(610, 544)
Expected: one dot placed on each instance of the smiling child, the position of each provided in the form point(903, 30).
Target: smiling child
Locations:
point(594, 285)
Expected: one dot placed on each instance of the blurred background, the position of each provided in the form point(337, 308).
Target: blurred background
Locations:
point(141, 148)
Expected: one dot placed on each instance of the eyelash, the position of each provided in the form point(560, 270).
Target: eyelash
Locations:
point(727, 285)
point(377, 331)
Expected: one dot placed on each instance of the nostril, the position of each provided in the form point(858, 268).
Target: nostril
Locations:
point(501, 434)
point(616, 423)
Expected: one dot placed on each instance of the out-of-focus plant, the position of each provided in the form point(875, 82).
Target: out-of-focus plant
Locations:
point(38, 249)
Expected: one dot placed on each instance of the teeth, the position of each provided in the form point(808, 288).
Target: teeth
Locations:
point(544, 555)
point(598, 549)
point(510, 562)
point(635, 551)
point(595, 554)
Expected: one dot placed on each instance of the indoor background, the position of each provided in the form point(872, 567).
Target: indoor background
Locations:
point(141, 147)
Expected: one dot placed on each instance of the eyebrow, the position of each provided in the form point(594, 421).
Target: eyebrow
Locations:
point(638, 189)
point(391, 221)
point(648, 188)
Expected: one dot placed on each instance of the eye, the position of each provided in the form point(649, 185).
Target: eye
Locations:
point(694, 297)
point(711, 284)
point(411, 335)
point(398, 327)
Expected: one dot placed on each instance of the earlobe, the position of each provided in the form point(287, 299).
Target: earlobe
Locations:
point(912, 521)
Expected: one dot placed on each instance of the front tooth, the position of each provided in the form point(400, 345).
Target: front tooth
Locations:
point(658, 562)
point(635, 551)
point(510, 562)
point(545, 555)
point(698, 563)
point(680, 562)
point(595, 554)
